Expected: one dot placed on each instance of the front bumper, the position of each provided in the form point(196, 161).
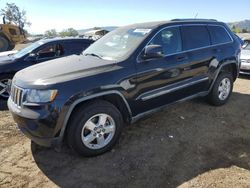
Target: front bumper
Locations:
point(245, 68)
point(37, 124)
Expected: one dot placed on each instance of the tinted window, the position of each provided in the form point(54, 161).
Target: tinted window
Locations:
point(218, 35)
point(76, 47)
point(169, 39)
point(195, 37)
point(47, 51)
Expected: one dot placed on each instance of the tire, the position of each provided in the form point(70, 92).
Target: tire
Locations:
point(219, 96)
point(3, 81)
point(11, 47)
point(86, 125)
point(4, 44)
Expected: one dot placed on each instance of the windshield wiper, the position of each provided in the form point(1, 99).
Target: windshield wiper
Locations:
point(92, 54)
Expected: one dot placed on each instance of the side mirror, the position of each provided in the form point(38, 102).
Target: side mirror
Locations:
point(153, 51)
point(31, 57)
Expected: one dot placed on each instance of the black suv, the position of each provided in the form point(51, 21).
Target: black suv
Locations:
point(129, 73)
point(40, 51)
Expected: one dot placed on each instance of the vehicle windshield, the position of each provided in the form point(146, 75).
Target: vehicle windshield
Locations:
point(118, 44)
point(28, 49)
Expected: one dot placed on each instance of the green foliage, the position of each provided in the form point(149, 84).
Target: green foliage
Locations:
point(244, 31)
point(70, 32)
point(14, 15)
point(51, 33)
point(235, 29)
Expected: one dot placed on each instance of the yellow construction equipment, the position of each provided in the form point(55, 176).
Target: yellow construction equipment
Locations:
point(10, 35)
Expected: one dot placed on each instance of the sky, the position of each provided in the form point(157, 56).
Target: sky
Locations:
point(82, 14)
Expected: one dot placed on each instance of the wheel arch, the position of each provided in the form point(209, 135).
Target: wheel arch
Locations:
point(231, 68)
point(227, 66)
point(114, 97)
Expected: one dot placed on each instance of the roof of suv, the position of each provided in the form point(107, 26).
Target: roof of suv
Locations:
point(152, 25)
point(45, 40)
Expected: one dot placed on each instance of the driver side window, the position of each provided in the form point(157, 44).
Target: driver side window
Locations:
point(47, 52)
point(51, 51)
point(169, 39)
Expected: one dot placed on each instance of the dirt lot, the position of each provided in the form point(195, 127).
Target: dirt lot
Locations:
point(188, 145)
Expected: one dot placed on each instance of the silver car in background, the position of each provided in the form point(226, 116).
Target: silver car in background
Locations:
point(245, 59)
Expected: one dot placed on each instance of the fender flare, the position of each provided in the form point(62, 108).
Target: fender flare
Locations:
point(78, 101)
point(219, 70)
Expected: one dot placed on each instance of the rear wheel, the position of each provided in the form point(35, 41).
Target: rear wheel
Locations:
point(222, 89)
point(94, 128)
point(4, 44)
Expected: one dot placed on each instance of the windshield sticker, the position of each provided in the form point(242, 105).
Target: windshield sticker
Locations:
point(142, 31)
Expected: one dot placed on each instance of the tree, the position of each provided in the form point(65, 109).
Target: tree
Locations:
point(70, 32)
point(244, 30)
point(97, 28)
point(235, 29)
point(51, 33)
point(14, 15)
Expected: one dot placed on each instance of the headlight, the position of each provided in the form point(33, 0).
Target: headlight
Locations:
point(40, 96)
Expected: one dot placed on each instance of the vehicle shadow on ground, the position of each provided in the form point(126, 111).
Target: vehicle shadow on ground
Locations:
point(165, 150)
point(247, 77)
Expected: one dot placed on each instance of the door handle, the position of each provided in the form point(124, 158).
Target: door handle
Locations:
point(181, 58)
point(217, 50)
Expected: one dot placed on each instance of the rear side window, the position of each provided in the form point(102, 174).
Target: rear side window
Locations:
point(76, 47)
point(195, 37)
point(219, 35)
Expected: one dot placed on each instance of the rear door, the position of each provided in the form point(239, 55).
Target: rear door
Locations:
point(197, 44)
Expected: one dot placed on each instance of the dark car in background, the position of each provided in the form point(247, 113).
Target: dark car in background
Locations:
point(40, 51)
point(129, 73)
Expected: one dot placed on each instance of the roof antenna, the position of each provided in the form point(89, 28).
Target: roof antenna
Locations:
point(195, 15)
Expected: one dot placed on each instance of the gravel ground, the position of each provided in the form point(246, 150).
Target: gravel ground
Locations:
point(191, 144)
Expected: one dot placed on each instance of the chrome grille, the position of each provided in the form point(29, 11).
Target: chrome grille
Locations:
point(17, 95)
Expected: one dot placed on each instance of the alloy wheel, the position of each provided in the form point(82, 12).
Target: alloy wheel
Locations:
point(224, 89)
point(4, 88)
point(98, 131)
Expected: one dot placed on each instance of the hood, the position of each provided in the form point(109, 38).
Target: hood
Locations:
point(6, 59)
point(245, 54)
point(62, 70)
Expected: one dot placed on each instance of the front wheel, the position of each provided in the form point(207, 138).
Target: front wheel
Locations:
point(94, 128)
point(5, 80)
point(221, 90)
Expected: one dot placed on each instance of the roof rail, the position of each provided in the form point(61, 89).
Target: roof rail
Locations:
point(194, 19)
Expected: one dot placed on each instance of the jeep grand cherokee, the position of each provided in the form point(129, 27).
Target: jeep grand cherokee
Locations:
point(129, 73)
